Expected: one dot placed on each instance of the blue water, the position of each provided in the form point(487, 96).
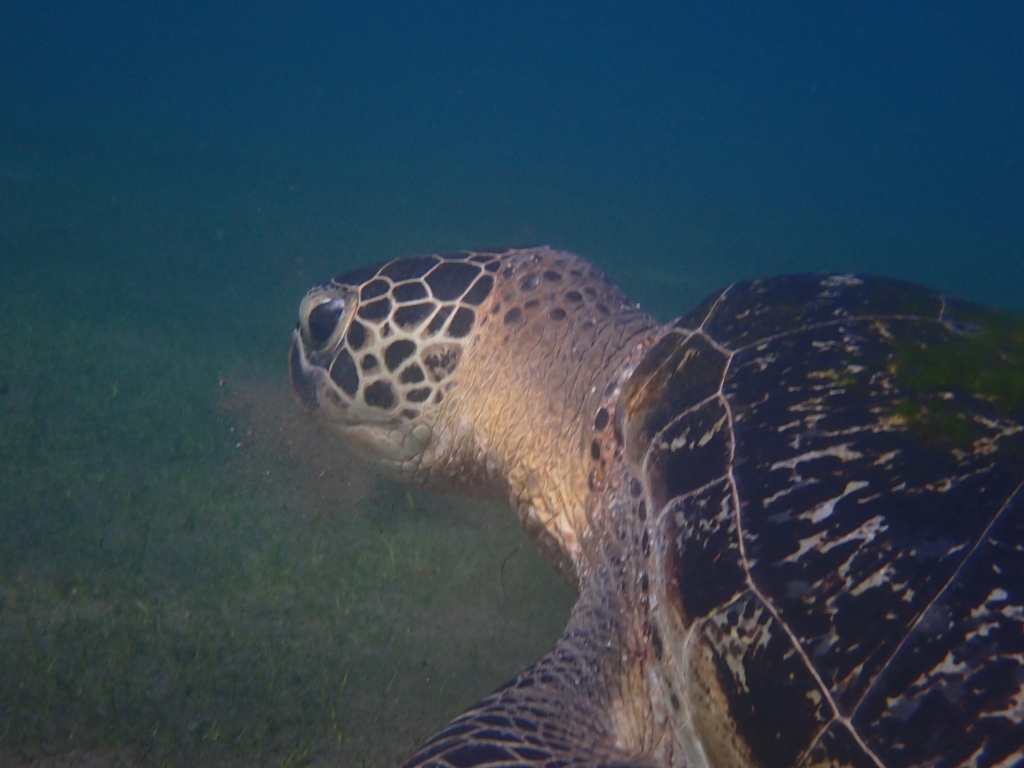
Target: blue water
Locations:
point(752, 138)
point(173, 176)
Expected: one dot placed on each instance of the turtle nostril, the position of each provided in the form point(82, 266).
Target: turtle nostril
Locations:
point(323, 319)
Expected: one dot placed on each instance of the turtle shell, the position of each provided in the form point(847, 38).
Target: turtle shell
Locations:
point(836, 465)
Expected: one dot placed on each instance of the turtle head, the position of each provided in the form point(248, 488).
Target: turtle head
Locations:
point(481, 372)
point(376, 349)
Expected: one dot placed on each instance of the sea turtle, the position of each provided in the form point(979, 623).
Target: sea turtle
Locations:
point(795, 516)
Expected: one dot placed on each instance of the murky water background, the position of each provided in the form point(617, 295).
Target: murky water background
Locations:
point(190, 572)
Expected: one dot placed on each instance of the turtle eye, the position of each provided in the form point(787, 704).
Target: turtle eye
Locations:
point(323, 319)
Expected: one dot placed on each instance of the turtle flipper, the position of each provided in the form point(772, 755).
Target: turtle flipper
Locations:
point(513, 728)
point(560, 711)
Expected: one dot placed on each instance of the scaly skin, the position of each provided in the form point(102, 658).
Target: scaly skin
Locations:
point(527, 415)
point(795, 516)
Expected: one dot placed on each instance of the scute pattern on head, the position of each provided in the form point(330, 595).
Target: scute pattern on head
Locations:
point(382, 353)
point(411, 314)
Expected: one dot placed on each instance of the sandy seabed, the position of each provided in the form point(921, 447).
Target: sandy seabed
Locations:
point(191, 572)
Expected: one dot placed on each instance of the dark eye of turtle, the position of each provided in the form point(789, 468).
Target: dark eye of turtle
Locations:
point(323, 319)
